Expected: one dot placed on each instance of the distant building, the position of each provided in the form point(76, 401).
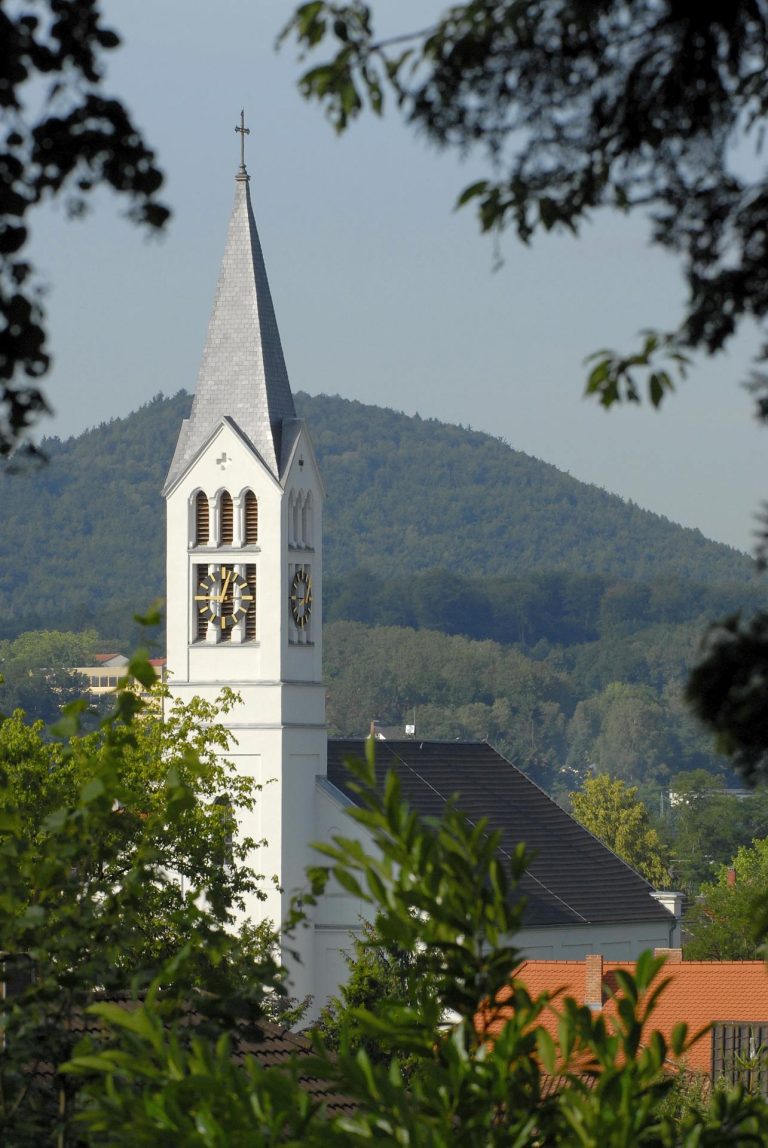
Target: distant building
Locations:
point(108, 670)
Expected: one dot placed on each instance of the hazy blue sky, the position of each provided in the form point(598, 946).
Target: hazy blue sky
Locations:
point(382, 292)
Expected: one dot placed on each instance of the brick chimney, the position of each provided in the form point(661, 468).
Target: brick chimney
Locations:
point(593, 981)
point(731, 875)
point(674, 956)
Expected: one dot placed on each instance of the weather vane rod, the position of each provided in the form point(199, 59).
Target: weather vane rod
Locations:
point(243, 131)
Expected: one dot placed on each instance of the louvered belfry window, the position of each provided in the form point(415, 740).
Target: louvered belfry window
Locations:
point(251, 518)
point(202, 524)
point(250, 617)
point(202, 619)
point(227, 518)
point(227, 606)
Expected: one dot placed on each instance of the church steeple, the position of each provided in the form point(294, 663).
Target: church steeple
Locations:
point(243, 374)
point(244, 597)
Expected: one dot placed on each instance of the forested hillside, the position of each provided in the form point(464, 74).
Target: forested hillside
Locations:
point(409, 494)
point(482, 588)
point(82, 538)
point(544, 713)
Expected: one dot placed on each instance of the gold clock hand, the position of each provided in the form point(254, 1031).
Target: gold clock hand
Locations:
point(225, 587)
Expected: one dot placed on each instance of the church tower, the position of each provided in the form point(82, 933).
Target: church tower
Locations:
point(244, 567)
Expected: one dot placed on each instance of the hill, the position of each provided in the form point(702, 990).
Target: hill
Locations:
point(467, 583)
point(414, 494)
point(82, 537)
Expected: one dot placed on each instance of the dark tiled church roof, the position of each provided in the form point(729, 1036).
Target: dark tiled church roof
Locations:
point(573, 878)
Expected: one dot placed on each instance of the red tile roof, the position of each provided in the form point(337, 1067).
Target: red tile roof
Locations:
point(699, 992)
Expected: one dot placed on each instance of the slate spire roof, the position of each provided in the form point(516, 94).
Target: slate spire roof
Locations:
point(242, 373)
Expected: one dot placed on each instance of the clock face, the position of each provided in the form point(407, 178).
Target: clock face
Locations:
point(300, 598)
point(223, 597)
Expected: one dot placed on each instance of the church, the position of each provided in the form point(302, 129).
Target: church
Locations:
point(244, 596)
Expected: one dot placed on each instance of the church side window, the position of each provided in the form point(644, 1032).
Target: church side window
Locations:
point(306, 520)
point(226, 519)
point(300, 519)
point(293, 519)
point(251, 519)
point(202, 519)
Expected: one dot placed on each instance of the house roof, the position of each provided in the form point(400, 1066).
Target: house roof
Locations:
point(573, 878)
point(242, 373)
point(699, 993)
point(269, 1045)
point(110, 659)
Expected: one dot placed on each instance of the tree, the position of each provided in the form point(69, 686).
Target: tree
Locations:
point(626, 104)
point(37, 671)
point(119, 858)
point(377, 973)
point(655, 106)
point(727, 689)
point(610, 809)
point(624, 731)
point(42, 776)
point(708, 825)
point(480, 1065)
point(727, 922)
point(63, 135)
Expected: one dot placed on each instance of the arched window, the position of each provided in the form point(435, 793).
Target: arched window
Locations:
point(202, 523)
point(227, 519)
point(251, 519)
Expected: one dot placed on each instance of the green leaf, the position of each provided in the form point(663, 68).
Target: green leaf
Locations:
point(472, 192)
point(153, 616)
point(348, 881)
point(547, 1049)
point(92, 790)
point(139, 667)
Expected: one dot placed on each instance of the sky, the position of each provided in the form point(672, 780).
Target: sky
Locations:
point(383, 292)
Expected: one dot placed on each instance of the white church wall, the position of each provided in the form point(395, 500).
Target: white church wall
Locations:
point(339, 914)
point(624, 942)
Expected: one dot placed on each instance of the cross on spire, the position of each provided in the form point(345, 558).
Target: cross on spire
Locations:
point(242, 131)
